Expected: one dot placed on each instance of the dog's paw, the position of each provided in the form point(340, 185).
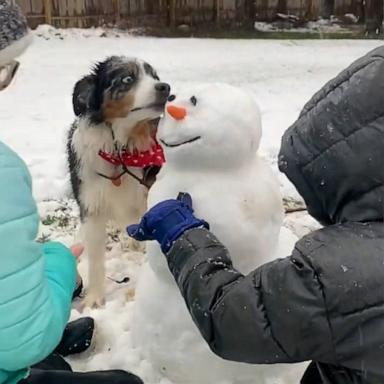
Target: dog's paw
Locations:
point(92, 300)
point(129, 244)
point(137, 246)
point(130, 294)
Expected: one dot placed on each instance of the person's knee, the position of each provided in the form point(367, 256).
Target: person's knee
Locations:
point(37, 376)
point(119, 377)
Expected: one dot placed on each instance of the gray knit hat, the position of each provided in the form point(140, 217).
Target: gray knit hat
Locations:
point(14, 33)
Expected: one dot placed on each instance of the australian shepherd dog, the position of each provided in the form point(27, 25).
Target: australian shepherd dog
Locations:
point(117, 106)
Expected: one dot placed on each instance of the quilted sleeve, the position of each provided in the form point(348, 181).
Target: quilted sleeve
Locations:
point(276, 314)
point(36, 282)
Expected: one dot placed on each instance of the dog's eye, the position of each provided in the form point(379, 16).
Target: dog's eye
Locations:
point(171, 98)
point(193, 100)
point(127, 80)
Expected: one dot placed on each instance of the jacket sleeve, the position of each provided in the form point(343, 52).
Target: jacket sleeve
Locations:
point(261, 318)
point(36, 281)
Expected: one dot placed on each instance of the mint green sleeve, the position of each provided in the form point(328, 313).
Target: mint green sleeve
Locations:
point(36, 281)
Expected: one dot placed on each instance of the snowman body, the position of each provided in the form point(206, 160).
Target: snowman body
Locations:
point(237, 193)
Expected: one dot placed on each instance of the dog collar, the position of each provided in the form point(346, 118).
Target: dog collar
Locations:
point(153, 157)
point(144, 160)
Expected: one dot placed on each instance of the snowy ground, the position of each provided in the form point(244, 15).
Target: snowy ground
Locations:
point(35, 113)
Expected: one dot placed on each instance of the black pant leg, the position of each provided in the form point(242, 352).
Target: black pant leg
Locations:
point(77, 336)
point(54, 362)
point(312, 375)
point(318, 373)
point(39, 376)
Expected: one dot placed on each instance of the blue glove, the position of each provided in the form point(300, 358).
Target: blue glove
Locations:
point(166, 222)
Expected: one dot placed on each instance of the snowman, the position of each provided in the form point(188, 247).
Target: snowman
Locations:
point(210, 136)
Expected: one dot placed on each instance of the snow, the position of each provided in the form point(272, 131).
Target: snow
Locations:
point(282, 75)
point(287, 24)
point(351, 17)
point(35, 113)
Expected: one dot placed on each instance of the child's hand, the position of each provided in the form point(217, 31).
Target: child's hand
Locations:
point(77, 250)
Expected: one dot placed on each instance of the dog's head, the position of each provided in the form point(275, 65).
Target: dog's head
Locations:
point(120, 89)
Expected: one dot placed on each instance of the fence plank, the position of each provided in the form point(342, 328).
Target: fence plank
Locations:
point(37, 7)
point(162, 13)
point(48, 11)
point(374, 17)
point(25, 5)
point(117, 11)
point(217, 13)
point(282, 6)
point(172, 13)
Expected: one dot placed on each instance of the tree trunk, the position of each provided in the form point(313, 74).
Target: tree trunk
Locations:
point(327, 8)
point(373, 17)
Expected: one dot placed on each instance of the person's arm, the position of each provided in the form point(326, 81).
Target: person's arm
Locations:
point(276, 314)
point(36, 281)
point(259, 318)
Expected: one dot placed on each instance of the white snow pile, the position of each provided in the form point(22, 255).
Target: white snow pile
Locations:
point(291, 23)
point(48, 32)
point(36, 112)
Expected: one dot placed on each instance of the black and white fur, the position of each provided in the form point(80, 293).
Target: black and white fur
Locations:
point(115, 106)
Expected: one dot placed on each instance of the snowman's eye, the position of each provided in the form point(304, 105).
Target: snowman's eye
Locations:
point(193, 100)
point(171, 98)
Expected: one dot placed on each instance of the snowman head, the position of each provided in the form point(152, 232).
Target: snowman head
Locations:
point(214, 126)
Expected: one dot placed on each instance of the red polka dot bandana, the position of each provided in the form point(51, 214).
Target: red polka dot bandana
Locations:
point(155, 156)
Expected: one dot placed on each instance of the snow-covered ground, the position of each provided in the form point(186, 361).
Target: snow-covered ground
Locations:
point(36, 110)
point(35, 113)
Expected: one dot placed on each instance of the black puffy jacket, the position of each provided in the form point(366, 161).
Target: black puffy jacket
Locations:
point(325, 302)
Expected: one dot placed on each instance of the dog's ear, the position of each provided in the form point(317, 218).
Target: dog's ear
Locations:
point(83, 98)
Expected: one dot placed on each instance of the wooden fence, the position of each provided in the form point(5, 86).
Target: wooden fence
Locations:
point(163, 13)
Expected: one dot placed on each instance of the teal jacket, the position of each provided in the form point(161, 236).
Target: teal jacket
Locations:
point(36, 281)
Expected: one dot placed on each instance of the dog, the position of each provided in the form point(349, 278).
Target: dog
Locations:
point(116, 106)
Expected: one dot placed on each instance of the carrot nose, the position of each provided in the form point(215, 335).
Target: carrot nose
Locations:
point(178, 113)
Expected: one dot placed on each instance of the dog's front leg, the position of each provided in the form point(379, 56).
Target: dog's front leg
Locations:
point(128, 243)
point(94, 234)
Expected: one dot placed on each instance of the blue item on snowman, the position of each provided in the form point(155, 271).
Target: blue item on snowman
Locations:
point(167, 221)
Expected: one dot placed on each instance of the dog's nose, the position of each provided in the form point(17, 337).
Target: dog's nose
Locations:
point(163, 88)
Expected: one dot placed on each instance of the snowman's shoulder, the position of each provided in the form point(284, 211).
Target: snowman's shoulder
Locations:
point(247, 185)
point(259, 194)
